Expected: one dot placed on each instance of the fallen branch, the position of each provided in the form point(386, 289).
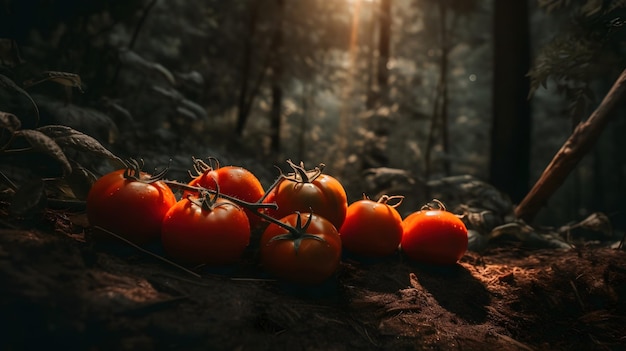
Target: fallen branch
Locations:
point(579, 143)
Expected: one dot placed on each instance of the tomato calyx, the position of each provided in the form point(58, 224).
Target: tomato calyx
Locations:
point(134, 168)
point(385, 199)
point(208, 200)
point(296, 233)
point(299, 175)
point(434, 204)
point(201, 167)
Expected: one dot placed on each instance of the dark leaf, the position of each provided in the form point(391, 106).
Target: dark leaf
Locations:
point(9, 121)
point(9, 53)
point(80, 181)
point(17, 101)
point(87, 120)
point(132, 59)
point(66, 79)
point(68, 137)
point(169, 93)
point(56, 131)
point(195, 108)
point(43, 143)
point(118, 110)
point(597, 222)
point(30, 198)
point(592, 7)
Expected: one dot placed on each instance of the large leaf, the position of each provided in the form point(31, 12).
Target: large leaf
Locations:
point(30, 198)
point(66, 79)
point(80, 181)
point(66, 136)
point(86, 120)
point(44, 144)
point(185, 106)
point(133, 59)
point(9, 121)
point(15, 100)
point(9, 53)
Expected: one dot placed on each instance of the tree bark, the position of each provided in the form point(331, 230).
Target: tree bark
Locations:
point(579, 143)
point(439, 118)
point(243, 108)
point(384, 51)
point(445, 48)
point(371, 70)
point(277, 89)
point(511, 128)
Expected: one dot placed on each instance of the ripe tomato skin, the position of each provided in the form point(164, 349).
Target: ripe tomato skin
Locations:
point(194, 235)
point(314, 262)
point(434, 236)
point(325, 196)
point(371, 229)
point(234, 181)
point(129, 208)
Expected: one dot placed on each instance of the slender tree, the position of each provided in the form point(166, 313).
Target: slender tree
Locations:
point(510, 133)
point(439, 118)
point(384, 48)
point(244, 100)
point(371, 69)
point(378, 94)
point(277, 73)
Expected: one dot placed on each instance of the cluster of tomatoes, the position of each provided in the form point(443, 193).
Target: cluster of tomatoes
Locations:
point(304, 217)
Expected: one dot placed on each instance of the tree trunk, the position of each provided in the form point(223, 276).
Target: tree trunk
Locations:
point(384, 52)
point(439, 118)
point(371, 70)
point(277, 73)
point(244, 102)
point(445, 48)
point(510, 134)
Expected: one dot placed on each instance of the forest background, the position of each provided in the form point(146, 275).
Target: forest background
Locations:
point(435, 88)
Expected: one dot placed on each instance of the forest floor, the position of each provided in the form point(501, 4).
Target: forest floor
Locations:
point(60, 291)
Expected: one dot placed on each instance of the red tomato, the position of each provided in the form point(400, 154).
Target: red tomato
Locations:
point(323, 195)
point(434, 236)
point(308, 255)
point(371, 229)
point(195, 233)
point(129, 208)
point(234, 181)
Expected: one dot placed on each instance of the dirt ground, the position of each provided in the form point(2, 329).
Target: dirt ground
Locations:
point(60, 291)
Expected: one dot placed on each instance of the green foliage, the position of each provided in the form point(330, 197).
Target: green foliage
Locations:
point(35, 158)
point(590, 46)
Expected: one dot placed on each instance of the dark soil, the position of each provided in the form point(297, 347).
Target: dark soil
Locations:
point(60, 291)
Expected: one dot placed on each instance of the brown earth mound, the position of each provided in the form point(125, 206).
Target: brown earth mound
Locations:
point(60, 291)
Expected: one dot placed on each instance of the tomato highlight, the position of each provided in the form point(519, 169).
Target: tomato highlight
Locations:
point(205, 230)
point(434, 235)
point(130, 203)
point(372, 229)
